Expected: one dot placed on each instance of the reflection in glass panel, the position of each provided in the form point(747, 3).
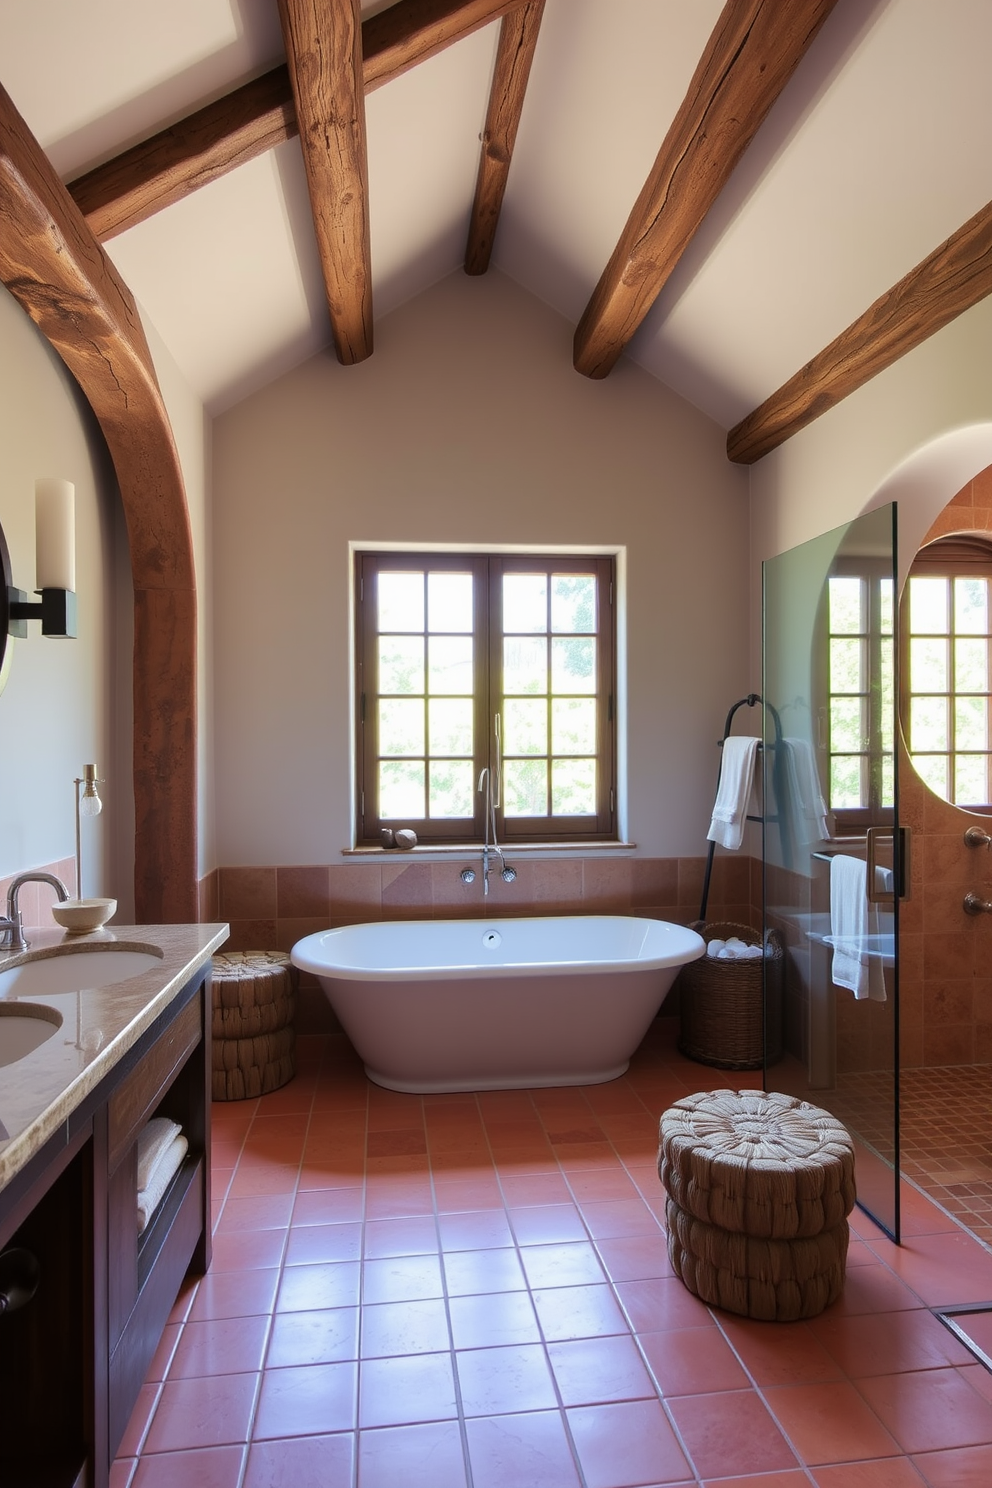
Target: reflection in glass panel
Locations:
point(401, 601)
point(928, 723)
point(401, 789)
point(928, 606)
point(928, 664)
point(847, 669)
point(449, 601)
point(847, 781)
point(573, 603)
point(971, 606)
point(971, 723)
point(401, 664)
point(846, 606)
point(573, 726)
point(848, 731)
point(525, 603)
point(971, 666)
point(450, 725)
point(449, 664)
point(401, 726)
point(932, 770)
point(451, 788)
point(525, 726)
point(573, 665)
point(525, 788)
point(573, 787)
point(525, 665)
point(888, 780)
point(971, 784)
point(886, 613)
point(887, 690)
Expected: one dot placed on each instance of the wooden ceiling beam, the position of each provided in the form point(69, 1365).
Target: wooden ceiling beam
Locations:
point(259, 115)
point(514, 55)
point(952, 279)
point(754, 49)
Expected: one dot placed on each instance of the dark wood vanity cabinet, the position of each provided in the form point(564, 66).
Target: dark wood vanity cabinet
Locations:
point(73, 1359)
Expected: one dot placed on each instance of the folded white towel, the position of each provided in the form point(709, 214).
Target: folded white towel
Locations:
point(803, 785)
point(852, 967)
point(165, 1170)
point(733, 791)
point(154, 1140)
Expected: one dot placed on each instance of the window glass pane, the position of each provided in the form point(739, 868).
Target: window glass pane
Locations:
point(846, 599)
point(887, 692)
point(573, 665)
point(971, 727)
point(928, 606)
point(401, 789)
point(525, 788)
point(573, 726)
point(525, 665)
point(971, 784)
point(401, 601)
point(885, 609)
point(573, 787)
point(971, 666)
point(573, 602)
point(449, 601)
point(847, 725)
point(932, 770)
point(846, 781)
point(401, 664)
point(927, 723)
point(449, 722)
point(971, 605)
point(525, 726)
point(449, 663)
point(888, 781)
point(525, 603)
point(847, 666)
point(451, 788)
point(401, 726)
point(927, 665)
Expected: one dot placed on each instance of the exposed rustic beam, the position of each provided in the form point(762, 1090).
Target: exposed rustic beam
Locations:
point(53, 265)
point(514, 55)
point(953, 278)
point(750, 56)
point(324, 53)
point(259, 115)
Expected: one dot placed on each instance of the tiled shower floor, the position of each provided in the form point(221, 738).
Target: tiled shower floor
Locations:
point(473, 1291)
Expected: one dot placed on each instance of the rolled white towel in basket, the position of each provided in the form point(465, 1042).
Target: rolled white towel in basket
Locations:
point(733, 791)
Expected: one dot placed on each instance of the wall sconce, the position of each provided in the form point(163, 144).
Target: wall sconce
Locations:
point(87, 804)
point(55, 572)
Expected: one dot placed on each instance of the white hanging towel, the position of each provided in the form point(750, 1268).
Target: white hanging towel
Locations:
point(852, 968)
point(804, 791)
point(733, 791)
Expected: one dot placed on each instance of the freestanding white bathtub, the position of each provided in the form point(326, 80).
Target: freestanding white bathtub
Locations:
point(435, 1005)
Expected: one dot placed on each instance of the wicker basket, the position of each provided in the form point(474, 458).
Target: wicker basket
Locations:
point(723, 1021)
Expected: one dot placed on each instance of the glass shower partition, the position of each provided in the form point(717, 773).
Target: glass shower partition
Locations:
point(831, 792)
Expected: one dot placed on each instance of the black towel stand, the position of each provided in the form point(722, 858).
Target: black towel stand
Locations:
point(752, 699)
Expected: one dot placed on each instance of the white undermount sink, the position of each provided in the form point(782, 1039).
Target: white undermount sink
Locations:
point(76, 971)
point(24, 1027)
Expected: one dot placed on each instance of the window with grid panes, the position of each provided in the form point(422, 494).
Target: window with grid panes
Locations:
point(861, 694)
point(946, 688)
point(487, 661)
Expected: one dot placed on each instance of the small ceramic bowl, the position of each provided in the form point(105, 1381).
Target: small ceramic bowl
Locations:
point(79, 916)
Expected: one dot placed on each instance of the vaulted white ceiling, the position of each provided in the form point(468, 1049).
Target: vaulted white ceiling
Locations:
point(876, 151)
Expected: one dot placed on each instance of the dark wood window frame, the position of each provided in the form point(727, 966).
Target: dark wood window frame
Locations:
point(488, 570)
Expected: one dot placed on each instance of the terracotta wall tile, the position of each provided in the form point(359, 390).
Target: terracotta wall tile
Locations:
point(654, 880)
point(252, 935)
point(247, 893)
point(303, 892)
point(691, 872)
point(946, 860)
point(208, 897)
point(290, 930)
point(951, 1044)
point(607, 883)
point(453, 899)
point(947, 955)
point(355, 887)
point(948, 1000)
point(407, 890)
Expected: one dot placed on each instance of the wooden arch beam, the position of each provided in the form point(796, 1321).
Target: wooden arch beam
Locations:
point(54, 267)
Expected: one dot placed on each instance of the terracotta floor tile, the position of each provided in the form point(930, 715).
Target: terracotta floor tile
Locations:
point(499, 1381)
point(402, 1279)
point(493, 1319)
point(390, 1328)
point(599, 1185)
point(401, 1237)
point(929, 1410)
point(247, 1250)
point(306, 1400)
point(547, 1224)
point(471, 1272)
point(209, 1467)
point(529, 1450)
point(122, 1471)
point(265, 1212)
point(521, 1189)
point(326, 1337)
point(482, 1229)
point(943, 1268)
point(401, 1391)
point(202, 1413)
point(594, 1371)
point(730, 1433)
point(830, 1422)
point(967, 1467)
point(578, 1312)
point(315, 1288)
point(424, 1456)
point(571, 1264)
point(225, 1346)
point(653, 1306)
point(313, 1244)
point(884, 1472)
point(780, 1355)
point(301, 1462)
point(623, 1445)
point(618, 1218)
point(692, 1361)
point(455, 1194)
point(229, 1294)
point(137, 1427)
point(872, 1289)
point(635, 1257)
point(260, 1176)
point(328, 1206)
point(159, 1367)
point(788, 1479)
point(888, 1343)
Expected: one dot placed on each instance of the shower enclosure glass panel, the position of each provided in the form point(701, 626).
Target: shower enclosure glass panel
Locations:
point(831, 792)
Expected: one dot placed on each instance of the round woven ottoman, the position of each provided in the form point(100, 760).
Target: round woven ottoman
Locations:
point(254, 998)
point(759, 1189)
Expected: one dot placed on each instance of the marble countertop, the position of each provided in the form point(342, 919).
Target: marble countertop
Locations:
point(99, 1025)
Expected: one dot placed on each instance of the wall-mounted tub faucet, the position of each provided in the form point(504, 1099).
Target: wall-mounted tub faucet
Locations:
point(974, 904)
point(977, 837)
point(11, 934)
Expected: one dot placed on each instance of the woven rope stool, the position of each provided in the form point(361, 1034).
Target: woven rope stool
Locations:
point(759, 1189)
point(254, 998)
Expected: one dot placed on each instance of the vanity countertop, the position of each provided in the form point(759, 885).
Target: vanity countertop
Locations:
point(99, 1025)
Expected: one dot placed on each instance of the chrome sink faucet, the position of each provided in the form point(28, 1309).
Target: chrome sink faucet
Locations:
point(11, 933)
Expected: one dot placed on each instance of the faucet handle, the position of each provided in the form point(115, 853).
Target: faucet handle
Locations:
point(977, 837)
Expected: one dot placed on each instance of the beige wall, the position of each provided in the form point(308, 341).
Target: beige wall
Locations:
point(467, 426)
